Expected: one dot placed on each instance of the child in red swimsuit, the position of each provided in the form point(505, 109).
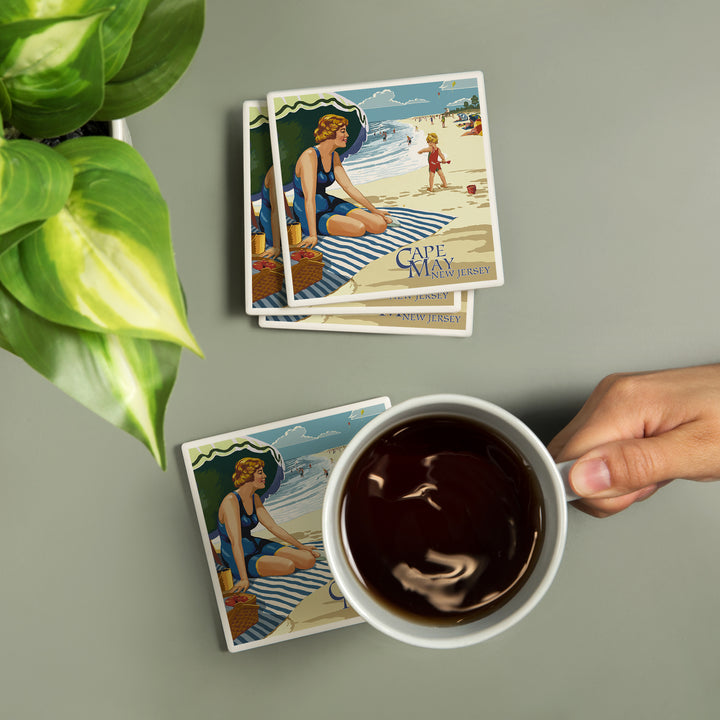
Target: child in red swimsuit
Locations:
point(435, 160)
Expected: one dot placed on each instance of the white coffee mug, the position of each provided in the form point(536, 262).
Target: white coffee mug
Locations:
point(555, 490)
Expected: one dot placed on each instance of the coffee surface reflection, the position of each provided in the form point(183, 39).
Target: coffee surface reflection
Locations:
point(443, 518)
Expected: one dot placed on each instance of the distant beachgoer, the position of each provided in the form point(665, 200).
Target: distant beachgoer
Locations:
point(409, 139)
point(435, 160)
point(317, 168)
point(476, 128)
point(239, 513)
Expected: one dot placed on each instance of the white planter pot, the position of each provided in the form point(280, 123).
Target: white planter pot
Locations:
point(120, 131)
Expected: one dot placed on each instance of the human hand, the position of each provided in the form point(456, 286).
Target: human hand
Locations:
point(271, 252)
point(309, 242)
point(241, 585)
point(637, 432)
point(310, 549)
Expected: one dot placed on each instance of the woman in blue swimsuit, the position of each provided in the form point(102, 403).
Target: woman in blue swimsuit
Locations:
point(240, 512)
point(268, 217)
point(317, 168)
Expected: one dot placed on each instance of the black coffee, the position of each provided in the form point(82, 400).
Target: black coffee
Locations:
point(444, 519)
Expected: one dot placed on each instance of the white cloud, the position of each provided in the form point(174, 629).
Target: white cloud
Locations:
point(386, 98)
point(298, 434)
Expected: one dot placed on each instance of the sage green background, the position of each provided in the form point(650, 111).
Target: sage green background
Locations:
point(603, 119)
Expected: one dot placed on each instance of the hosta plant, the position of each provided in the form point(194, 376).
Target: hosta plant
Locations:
point(89, 292)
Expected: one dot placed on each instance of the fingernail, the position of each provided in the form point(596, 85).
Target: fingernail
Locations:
point(590, 477)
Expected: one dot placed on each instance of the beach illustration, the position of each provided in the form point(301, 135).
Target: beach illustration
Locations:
point(264, 270)
point(391, 192)
point(258, 497)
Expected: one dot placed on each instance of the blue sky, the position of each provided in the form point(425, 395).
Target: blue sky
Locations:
point(393, 102)
point(312, 436)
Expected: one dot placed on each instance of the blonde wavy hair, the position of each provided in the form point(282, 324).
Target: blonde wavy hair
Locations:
point(328, 125)
point(245, 468)
point(432, 138)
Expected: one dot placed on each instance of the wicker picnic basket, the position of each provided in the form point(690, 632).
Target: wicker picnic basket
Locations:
point(242, 612)
point(267, 279)
point(307, 268)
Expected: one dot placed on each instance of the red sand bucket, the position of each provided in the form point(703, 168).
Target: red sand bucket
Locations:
point(471, 189)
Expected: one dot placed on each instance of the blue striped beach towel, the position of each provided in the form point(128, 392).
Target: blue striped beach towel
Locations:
point(278, 596)
point(344, 257)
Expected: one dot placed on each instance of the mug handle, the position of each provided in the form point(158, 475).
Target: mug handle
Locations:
point(564, 470)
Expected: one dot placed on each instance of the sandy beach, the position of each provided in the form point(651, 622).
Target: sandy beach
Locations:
point(470, 232)
point(318, 609)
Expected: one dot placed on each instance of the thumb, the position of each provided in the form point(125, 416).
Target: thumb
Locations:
point(626, 466)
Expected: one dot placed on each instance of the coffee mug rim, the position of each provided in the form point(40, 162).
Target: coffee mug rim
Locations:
point(361, 601)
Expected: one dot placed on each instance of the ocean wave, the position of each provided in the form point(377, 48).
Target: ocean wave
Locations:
point(303, 489)
point(386, 152)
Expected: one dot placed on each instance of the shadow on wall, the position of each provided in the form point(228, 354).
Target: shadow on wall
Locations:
point(235, 275)
point(547, 419)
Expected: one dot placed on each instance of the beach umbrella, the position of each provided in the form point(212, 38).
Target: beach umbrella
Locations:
point(213, 468)
point(297, 116)
point(260, 158)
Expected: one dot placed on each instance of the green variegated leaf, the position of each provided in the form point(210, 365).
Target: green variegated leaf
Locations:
point(5, 104)
point(12, 238)
point(53, 73)
point(4, 342)
point(35, 182)
point(102, 153)
point(13, 10)
point(117, 30)
point(105, 262)
point(163, 46)
point(125, 380)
